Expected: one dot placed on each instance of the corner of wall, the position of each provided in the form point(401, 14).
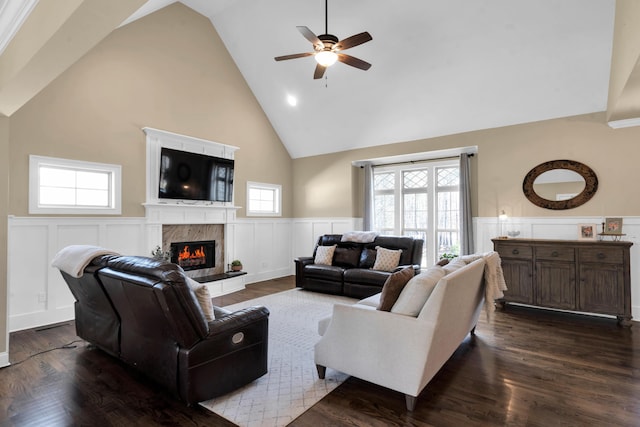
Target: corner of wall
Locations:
point(4, 213)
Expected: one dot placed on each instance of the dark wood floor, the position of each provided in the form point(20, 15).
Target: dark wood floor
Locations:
point(526, 367)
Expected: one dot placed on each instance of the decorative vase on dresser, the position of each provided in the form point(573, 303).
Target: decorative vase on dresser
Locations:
point(583, 276)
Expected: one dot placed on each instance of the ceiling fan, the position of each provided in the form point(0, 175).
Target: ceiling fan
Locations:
point(328, 48)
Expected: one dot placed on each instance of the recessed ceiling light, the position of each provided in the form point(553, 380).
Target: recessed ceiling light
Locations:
point(292, 100)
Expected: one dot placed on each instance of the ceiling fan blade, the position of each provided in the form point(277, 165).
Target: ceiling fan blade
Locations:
point(294, 56)
point(309, 35)
point(319, 71)
point(353, 61)
point(352, 41)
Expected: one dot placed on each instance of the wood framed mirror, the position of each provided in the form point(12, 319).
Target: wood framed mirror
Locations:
point(560, 184)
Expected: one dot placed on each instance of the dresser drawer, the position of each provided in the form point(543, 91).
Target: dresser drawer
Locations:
point(554, 253)
point(514, 251)
point(606, 255)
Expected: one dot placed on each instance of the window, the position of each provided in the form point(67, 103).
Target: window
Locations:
point(264, 199)
point(419, 200)
point(61, 186)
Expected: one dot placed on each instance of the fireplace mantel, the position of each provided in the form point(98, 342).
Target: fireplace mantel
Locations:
point(164, 211)
point(160, 213)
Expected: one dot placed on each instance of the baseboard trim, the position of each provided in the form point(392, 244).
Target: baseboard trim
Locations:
point(4, 360)
point(34, 320)
point(624, 123)
point(269, 275)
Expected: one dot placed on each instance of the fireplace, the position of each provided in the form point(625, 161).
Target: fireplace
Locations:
point(194, 255)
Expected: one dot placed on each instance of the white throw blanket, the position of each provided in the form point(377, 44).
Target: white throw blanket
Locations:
point(359, 236)
point(73, 259)
point(495, 284)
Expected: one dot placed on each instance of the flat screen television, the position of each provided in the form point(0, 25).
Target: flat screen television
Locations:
point(192, 176)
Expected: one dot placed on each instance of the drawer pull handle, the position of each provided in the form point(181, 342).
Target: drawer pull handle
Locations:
point(515, 252)
point(601, 255)
point(554, 254)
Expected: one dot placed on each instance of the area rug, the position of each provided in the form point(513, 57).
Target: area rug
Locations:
point(291, 385)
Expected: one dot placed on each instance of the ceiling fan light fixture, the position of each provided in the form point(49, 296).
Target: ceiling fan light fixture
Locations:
point(328, 48)
point(326, 58)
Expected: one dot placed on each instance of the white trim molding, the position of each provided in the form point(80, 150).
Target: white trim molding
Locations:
point(417, 157)
point(36, 184)
point(624, 123)
point(12, 16)
point(276, 202)
point(4, 357)
point(156, 139)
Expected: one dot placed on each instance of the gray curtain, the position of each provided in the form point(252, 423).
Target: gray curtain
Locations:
point(466, 227)
point(367, 217)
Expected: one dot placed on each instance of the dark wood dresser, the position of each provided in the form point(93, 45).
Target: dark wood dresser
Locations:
point(584, 276)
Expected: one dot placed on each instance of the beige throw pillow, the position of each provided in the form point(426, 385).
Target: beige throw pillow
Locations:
point(204, 298)
point(386, 259)
point(454, 265)
point(392, 288)
point(324, 255)
point(417, 291)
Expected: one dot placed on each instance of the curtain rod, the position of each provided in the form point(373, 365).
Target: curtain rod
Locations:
point(411, 162)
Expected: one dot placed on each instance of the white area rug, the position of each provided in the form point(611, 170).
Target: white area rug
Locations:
point(291, 385)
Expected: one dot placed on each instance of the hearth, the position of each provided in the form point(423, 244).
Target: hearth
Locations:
point(194, 255)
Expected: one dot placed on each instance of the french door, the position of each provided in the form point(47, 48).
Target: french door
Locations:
point(420, 200)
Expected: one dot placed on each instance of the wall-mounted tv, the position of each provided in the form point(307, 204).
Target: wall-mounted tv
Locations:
point(192, 176)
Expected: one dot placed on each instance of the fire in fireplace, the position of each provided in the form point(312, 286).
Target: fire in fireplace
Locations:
point(194, 255)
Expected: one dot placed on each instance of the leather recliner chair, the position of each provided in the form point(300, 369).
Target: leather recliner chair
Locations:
point(163, 332)
point(96, 319)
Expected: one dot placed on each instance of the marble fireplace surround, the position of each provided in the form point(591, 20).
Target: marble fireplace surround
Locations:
point(195, 232)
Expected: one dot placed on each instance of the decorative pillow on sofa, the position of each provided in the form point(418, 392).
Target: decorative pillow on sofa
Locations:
point(386, 259)
point(324, 254)
point(204, 298)
point(470, 258)
point(417, 291)
point(454, 265)
point(393, 286)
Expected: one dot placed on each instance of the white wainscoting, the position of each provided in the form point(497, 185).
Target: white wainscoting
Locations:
point(263, 246)
point(563, 228)
point(39, 296)
point(307, 230)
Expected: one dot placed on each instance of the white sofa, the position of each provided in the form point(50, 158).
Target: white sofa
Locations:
point(402, 352)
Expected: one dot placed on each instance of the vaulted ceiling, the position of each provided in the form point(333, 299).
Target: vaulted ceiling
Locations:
point(439, 67)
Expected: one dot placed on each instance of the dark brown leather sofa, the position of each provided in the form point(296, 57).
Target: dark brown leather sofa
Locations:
point(350, 272)
point(143, 312)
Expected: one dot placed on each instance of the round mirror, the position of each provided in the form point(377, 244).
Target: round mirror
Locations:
point(560, 184)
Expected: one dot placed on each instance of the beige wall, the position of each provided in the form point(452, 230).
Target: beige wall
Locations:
point(4, 211)
point(324, 186)
point(170, 71)
point(55, 35)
